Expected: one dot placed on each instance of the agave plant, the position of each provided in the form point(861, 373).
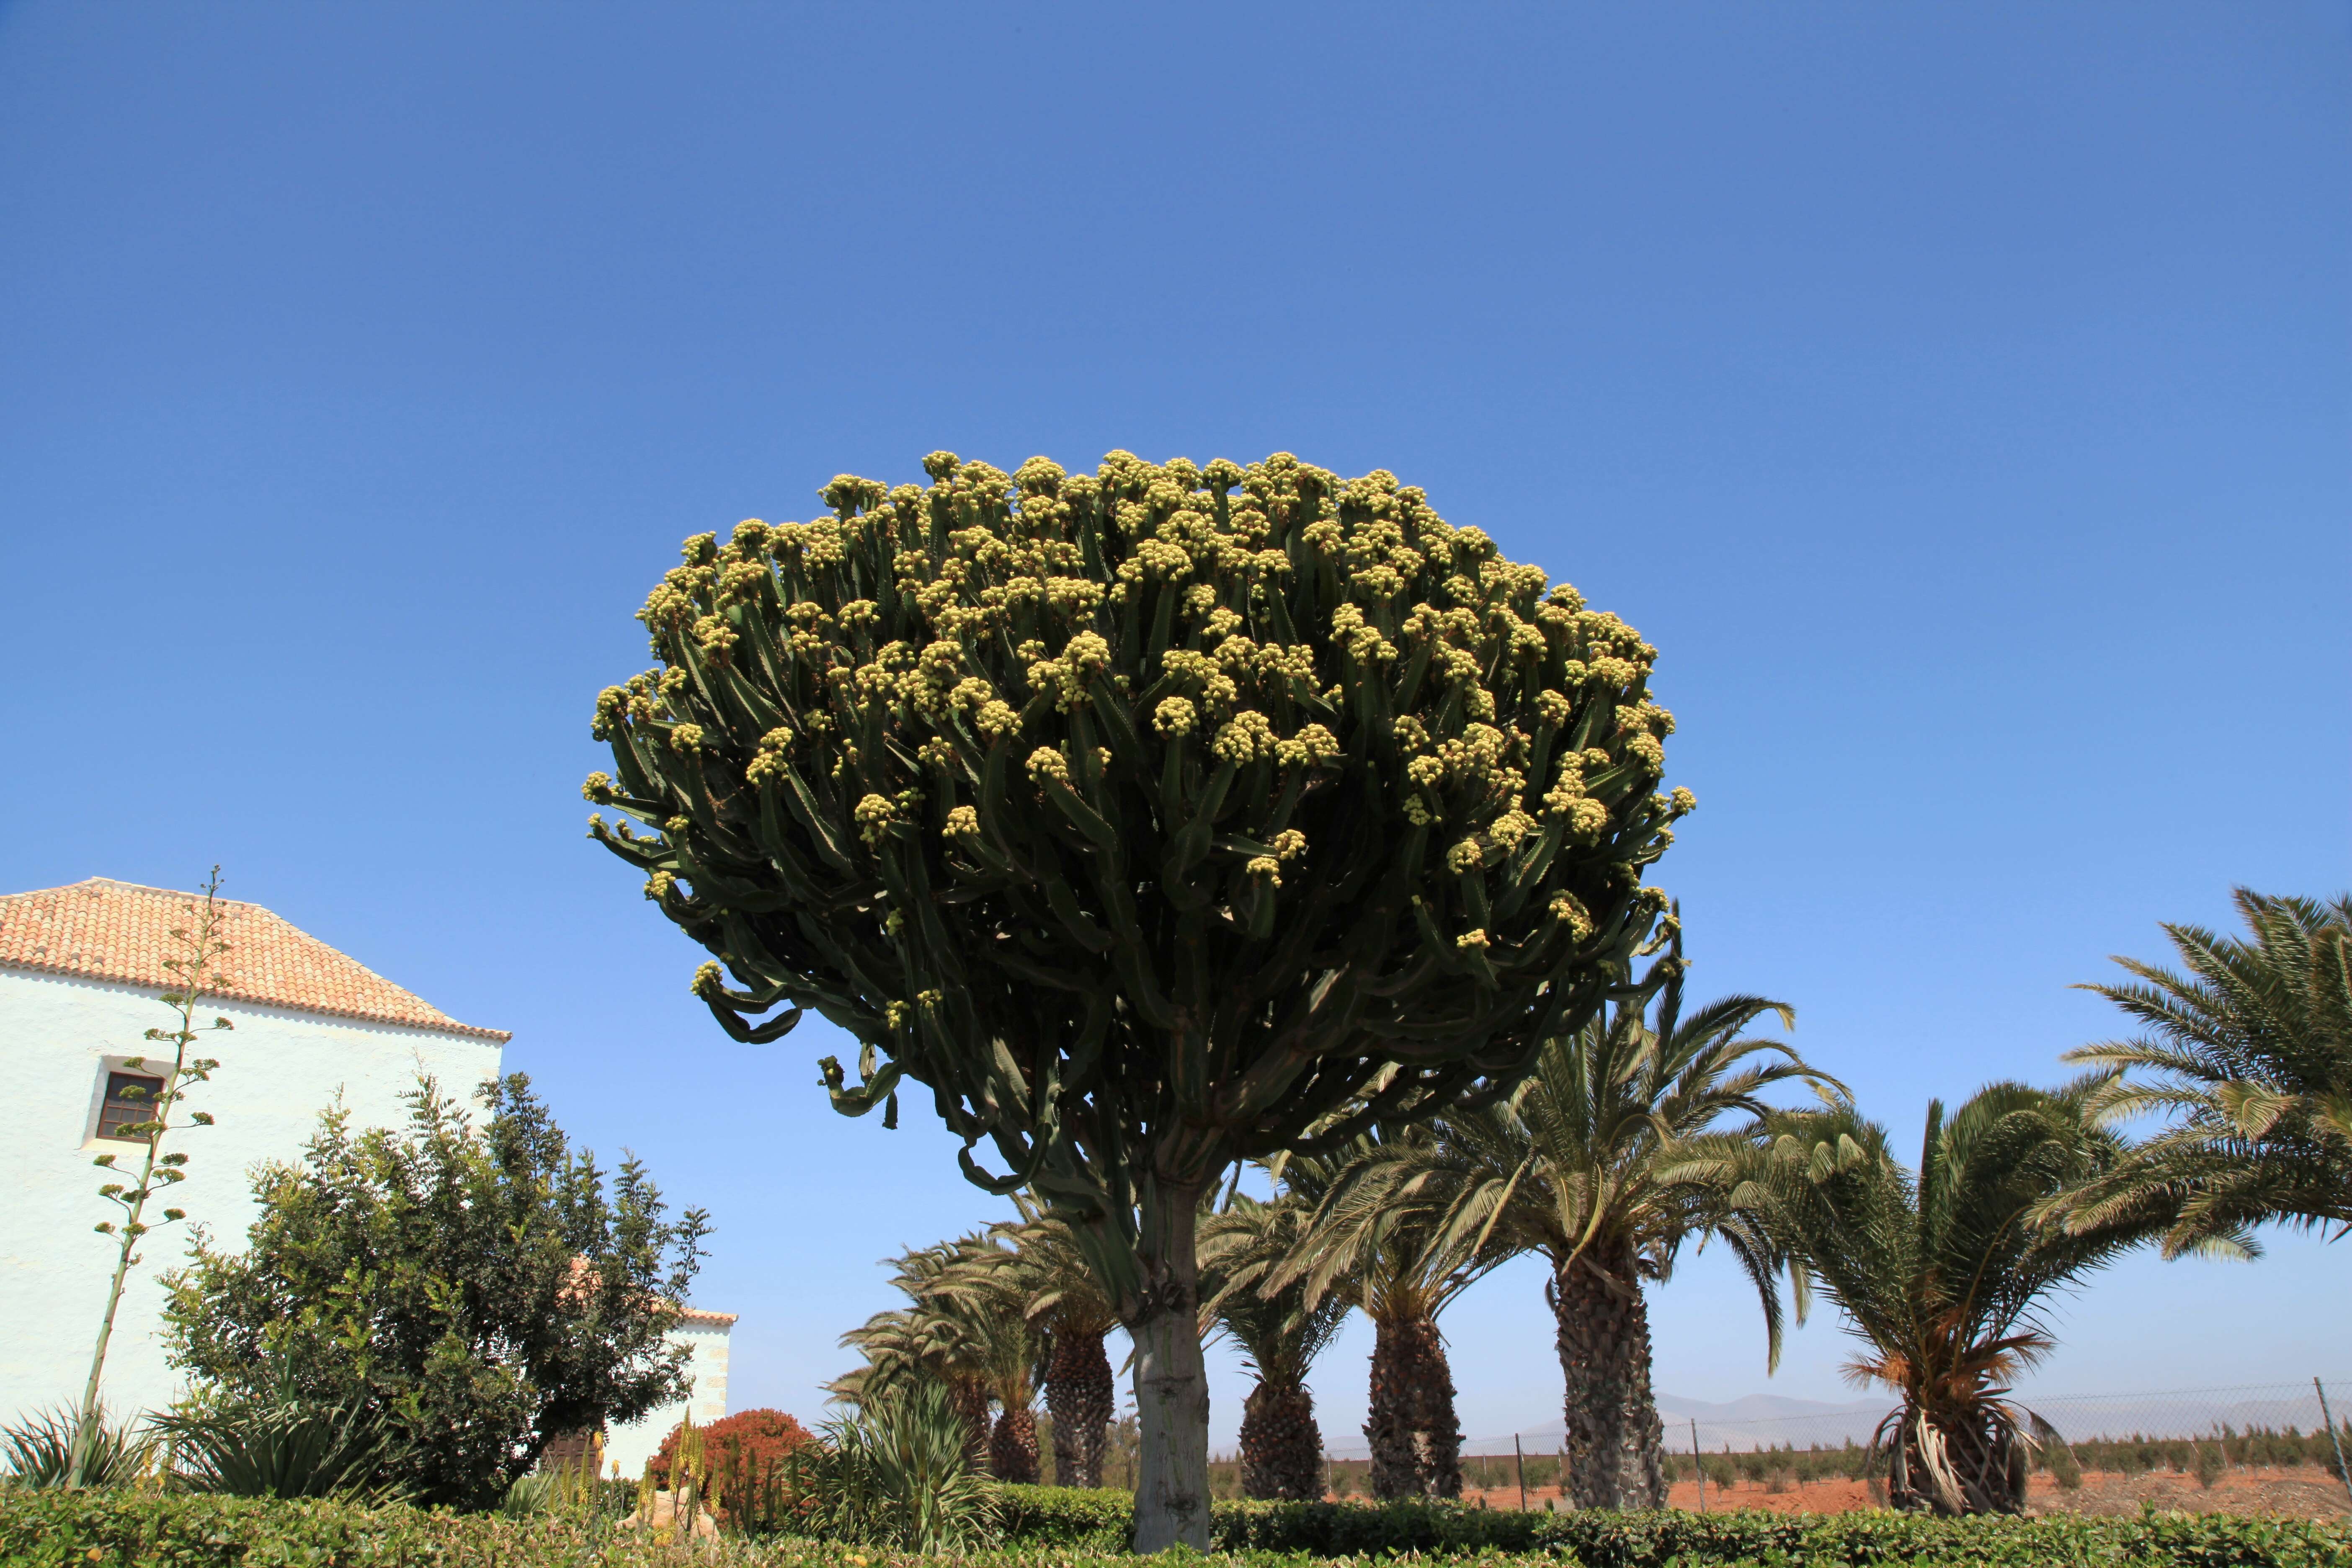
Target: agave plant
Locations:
point(895, 1474)
point(2249, 1051)
point(1280, 1334)
point(1939, 1273)
point(1579, 1166)
point(906, 1344)
point(41, 1450)
point(282, 1448)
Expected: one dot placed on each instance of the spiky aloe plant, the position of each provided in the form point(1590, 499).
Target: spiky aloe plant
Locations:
point(1148, 819)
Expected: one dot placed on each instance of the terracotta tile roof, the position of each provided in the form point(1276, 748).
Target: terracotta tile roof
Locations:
point(105, 929)
point(582, 1281)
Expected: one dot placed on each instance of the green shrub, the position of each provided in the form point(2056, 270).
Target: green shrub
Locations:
point(476, 1282)
point(1054, 1528)
point(1099, 1521)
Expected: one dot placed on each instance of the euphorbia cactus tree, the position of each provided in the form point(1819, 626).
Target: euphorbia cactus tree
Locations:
point(1151, 820)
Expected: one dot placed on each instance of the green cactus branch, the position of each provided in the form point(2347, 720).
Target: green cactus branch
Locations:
point(1151, 819)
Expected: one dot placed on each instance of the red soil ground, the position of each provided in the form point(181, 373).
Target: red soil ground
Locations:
point(2306, 1493)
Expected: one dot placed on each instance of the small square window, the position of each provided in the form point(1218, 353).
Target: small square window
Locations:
point(130, 1101)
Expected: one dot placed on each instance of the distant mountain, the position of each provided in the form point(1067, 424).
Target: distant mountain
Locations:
point(1765, 1407)
point(1773, 1420)
point(1756, 1421)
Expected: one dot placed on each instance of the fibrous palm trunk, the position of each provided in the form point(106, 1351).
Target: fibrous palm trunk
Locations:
point(1282, 1448)
point(1955, 1462)
point(1012, 1450)
point(1078, 1392)
point(970, 1397)
point(1416, 1442)
point(1616, 1455)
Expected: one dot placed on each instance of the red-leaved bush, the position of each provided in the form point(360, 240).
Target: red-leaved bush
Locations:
point(749, 1442)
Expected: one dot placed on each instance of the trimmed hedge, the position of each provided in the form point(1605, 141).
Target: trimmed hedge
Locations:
point(1052, 1528)
point(1100, 1521)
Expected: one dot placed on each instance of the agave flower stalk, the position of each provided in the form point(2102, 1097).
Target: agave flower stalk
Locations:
point(196, 969)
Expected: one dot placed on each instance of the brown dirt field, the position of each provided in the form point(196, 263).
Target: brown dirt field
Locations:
point(2305, 1493)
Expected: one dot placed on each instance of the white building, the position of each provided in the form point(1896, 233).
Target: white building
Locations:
point(705, 1334)
point(81, 970)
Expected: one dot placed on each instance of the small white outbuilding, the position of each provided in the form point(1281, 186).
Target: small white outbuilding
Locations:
point(81, 968)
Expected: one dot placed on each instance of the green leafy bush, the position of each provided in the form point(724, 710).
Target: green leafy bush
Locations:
point(1099, 1521)
point(129, 1529)
point(476, 1282)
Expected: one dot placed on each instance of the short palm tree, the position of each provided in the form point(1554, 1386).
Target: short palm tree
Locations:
point(1280, 1335)
point(982, 1291)
point(906, 1346)
point(1577, 1164)
point(1388, 1264)
point(1065, 1297)
point(1941, 1273)
point(964, 1331)
point(2249, 1051)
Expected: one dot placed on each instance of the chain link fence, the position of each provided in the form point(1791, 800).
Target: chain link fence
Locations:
point(2276, 1429)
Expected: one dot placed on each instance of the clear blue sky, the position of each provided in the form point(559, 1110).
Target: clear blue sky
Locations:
point(1956, 395)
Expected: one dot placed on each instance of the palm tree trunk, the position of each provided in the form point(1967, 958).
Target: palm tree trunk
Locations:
point(1078, 1392)
point(1615, 1444)
point(1416, 1442)
point(1282, 1448)
point(970, 1397)
point(1971, 1463)
point(1012, 1450)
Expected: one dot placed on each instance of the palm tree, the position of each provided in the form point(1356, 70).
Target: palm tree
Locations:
point(2250, 1050)
point(1280, 1336)
point(906, 1346)
point(980, 1290)
point(1387, 1263)
point(1579, 1164)
point(964, 1329)
point(1941, 1274)
point(1065, 1297)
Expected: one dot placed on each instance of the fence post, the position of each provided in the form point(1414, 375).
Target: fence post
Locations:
point(2334, 1437)
point(1519, 1463)
point(1698, 1465)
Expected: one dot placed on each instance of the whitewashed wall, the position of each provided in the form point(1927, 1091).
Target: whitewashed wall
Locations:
point(631, 1446)
point(279, 1069)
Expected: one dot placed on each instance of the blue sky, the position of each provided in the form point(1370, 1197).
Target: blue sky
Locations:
point(1956, 395)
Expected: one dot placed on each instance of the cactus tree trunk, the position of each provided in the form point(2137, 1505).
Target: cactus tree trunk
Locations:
point(1616, 1458)
point(1078, 1392)
point(1171, 1378)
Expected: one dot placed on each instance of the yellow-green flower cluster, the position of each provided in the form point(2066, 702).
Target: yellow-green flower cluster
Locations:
point(1219, 684)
